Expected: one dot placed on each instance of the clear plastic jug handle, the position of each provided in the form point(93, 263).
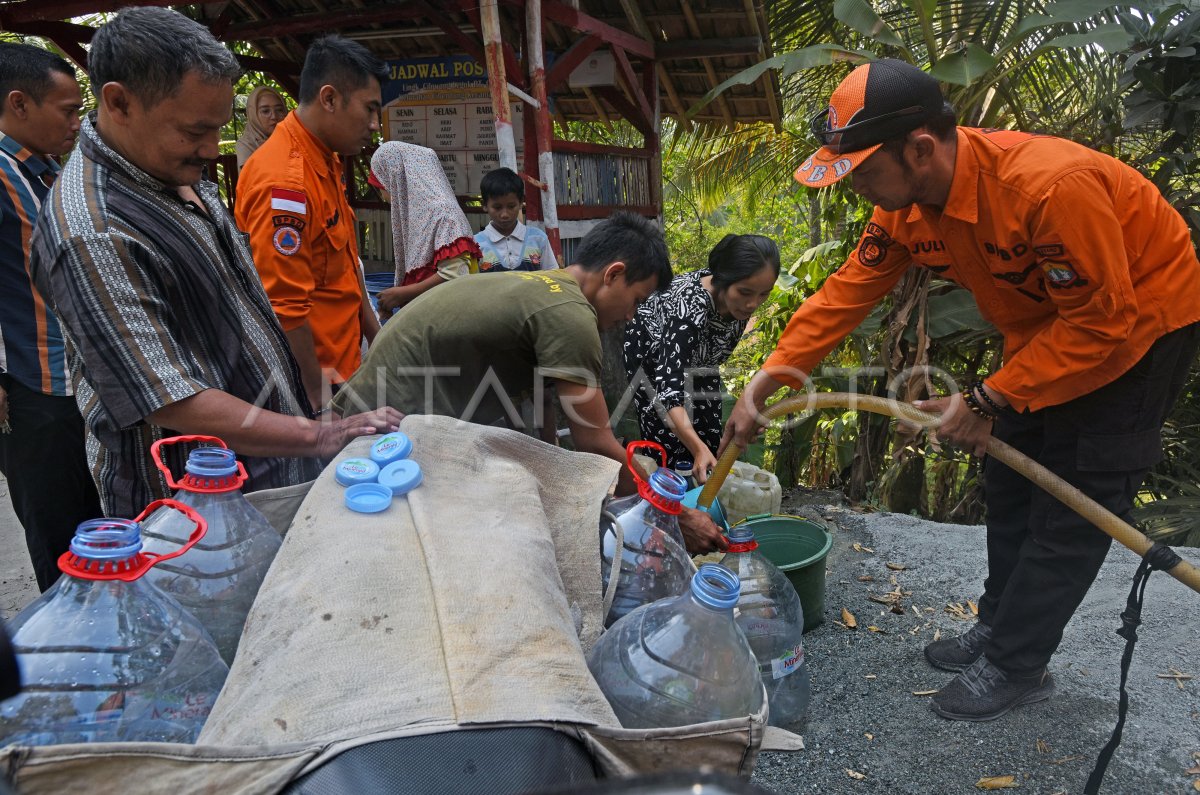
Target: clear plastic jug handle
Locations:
point(156, 455)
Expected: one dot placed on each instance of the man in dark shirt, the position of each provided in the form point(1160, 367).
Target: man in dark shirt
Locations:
point(169, 328)
point(41, 439)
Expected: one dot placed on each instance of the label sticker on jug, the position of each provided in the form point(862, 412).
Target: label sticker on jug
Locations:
point(788, 662)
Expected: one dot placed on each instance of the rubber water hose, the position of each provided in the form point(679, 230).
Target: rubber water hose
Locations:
point(1072, 497)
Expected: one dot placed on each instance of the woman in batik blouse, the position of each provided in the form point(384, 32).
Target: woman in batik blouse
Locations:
point(681, 336)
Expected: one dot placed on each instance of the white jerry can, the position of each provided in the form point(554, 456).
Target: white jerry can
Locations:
point(749, 490)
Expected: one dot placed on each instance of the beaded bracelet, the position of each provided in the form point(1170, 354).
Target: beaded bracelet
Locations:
point(976, 408)
point(977, 388)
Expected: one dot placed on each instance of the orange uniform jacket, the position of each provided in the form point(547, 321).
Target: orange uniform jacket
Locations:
point(291, 201)
point(1074, 256)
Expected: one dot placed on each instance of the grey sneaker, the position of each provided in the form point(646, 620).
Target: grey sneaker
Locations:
point(955, 654)
point(984, 692)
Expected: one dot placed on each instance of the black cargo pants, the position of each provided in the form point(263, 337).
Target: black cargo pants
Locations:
point(1042, 556)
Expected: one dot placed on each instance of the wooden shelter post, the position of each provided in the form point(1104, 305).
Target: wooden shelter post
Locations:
point(544, 132)
point(489, 16)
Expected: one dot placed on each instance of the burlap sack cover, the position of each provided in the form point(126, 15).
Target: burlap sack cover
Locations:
point(471, 601)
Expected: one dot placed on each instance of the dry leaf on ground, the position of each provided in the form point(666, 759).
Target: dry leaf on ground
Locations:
point(874, 628)
point(868, 735)
point(1042, 748)
point(957, 610)
point(860, 548)
point(997, 782)
point(854, 774)
point(866, 578)
point(896, 566)
point(848, 619)
point(924, 692)
point(1196, 785)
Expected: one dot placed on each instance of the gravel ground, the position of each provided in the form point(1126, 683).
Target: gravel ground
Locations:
point(866, 721)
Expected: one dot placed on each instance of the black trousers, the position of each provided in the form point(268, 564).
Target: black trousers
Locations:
point(1042, 556)
point(49, 481)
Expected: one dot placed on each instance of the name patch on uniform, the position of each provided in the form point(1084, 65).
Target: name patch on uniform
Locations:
point(287, 220)
point(288, 201)
point(286, 240)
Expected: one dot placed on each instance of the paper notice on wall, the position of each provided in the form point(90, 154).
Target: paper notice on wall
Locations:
point(455, 166)
point(478, 165)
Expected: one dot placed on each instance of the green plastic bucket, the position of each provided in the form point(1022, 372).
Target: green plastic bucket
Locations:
point(799, 548)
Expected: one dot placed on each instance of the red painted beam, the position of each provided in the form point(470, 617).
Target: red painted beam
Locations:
point(447, 26)
point(45, 10)
point(625, 69)
point(323, 22)
point(583, 147)
point(577, 53)
point(577, 20)
point(633, 113)
point(583, 212)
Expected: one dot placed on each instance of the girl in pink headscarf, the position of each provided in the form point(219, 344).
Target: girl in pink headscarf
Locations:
point(432, 240)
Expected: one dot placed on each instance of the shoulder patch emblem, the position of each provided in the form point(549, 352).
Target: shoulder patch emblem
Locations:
point(1060, 274)
point(286, 240)
point(874, 246)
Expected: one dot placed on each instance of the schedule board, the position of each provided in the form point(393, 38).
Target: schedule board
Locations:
point(444, 104)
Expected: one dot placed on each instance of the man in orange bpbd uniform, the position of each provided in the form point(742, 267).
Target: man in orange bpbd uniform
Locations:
point(291, 200)
point(1089, 274)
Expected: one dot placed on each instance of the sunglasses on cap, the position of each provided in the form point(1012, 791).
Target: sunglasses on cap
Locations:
point(835, 137)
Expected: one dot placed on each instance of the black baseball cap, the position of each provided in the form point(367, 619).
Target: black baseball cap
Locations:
point(876, 102)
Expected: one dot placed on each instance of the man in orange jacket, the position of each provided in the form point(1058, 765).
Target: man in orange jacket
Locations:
point(291, 201)
point(1088, 273)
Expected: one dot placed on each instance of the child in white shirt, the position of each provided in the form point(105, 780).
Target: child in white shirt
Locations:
point(506, 243)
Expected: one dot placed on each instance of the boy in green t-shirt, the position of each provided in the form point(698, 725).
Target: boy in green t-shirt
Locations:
point(477, 347)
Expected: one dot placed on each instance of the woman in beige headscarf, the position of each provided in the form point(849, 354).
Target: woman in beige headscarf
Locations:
point(264, 109)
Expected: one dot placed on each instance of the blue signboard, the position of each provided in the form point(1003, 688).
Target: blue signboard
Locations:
point(414, 75)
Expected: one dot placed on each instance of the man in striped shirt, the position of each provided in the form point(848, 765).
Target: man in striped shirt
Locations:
point(41, 438)
point(169, 328)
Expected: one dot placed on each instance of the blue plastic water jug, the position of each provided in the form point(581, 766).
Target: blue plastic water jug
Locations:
point(654, 561)
point(218, 579)
point(771, 616)
point(680, 661)
point(104, 655)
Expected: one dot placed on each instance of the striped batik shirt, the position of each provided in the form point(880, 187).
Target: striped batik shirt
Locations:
point(31, 342)
point(159, 300)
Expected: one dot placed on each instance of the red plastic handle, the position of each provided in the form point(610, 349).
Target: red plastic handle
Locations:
point(632, 446)
point(141, 562)
point(186, 510)
point(162, 466)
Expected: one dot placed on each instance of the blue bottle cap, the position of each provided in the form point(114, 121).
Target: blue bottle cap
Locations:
point(392, 447)
point(356, 470)
point(401, 476)
point(368, 497)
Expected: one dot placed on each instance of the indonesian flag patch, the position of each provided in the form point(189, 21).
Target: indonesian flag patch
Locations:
point(288, 201)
